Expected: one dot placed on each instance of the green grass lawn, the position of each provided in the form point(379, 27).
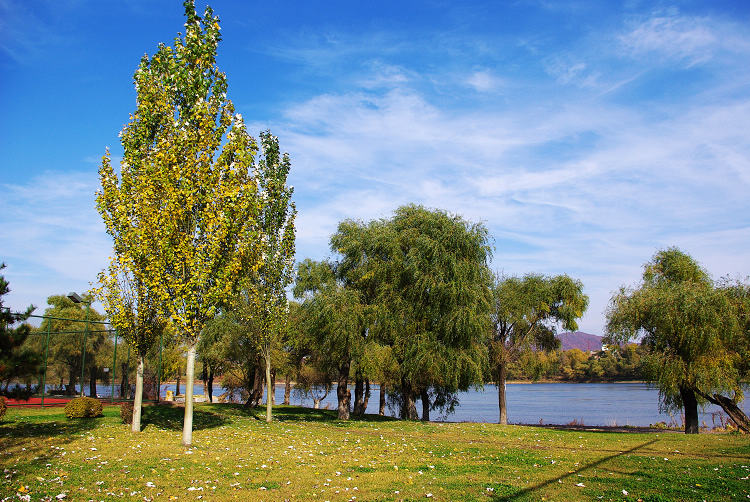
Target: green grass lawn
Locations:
point(308, 455)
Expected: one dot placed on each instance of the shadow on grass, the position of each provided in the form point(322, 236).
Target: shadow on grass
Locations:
point(286, 413)
point(169, 417)
point(18, 431)
point(530, 490)
point(32, 438)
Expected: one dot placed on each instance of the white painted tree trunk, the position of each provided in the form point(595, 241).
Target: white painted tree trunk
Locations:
point(187, 424)
point(138, 401)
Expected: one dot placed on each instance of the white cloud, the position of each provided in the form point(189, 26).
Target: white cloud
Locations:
point(688, 39)
point(645, 183)
point(573, 72)
point(483, 81)
point(54, 239)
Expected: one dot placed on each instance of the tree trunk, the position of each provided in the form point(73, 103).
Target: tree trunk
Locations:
point(690, 405)
point(177, 385)
point(359, 394)
point(204, 378)
point(273, 387)
point(124, 381)
point(502, 372)
point(316, 404)
point(187, 424)
point(255, 396)
point(342, 392)
point(92, 380)
point(367, 396)
point(269, 386)
point(381, 406)
point(425, 397)
point(408, 402)
point(287, 389)
point(71, 390)
point(258, 386)
point(210, 389)
point(138, 401)
point(730, 408)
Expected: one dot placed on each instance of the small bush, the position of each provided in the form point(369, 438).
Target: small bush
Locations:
point(126, 412)
point(83, 407)
point(3, 407)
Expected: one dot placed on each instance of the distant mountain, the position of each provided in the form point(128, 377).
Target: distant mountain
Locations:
point(580, 340)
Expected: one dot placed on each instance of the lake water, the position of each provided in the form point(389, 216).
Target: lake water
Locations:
point(620, 404)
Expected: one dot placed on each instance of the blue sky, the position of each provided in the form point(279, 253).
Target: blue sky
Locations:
point(585, 134)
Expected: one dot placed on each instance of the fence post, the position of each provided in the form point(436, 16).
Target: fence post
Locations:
point(83, 350)
point(46, 353)
point(114, 371)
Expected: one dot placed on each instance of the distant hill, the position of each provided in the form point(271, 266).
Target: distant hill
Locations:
point(580, 340)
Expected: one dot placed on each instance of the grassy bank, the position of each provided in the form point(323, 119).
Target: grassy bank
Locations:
point(308, 455)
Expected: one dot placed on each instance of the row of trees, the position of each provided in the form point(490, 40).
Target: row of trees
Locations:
point(203, 243)
point(574, 365)
point(410, 302)
point(200, 222)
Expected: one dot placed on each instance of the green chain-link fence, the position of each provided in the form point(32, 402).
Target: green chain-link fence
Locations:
point(83, 357)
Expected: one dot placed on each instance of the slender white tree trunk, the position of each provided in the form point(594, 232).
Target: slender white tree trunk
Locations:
point(187, 424)
point(269, 387)
point(138, 401)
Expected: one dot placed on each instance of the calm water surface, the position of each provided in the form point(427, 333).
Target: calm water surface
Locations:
point(620, 404)
point(555, 403)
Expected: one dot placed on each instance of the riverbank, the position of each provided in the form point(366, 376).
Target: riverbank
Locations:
point(309, 455)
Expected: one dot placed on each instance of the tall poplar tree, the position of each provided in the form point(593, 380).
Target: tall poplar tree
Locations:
point(268, 283)
point(183, 210)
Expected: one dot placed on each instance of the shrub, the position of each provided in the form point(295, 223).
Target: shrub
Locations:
point(126, 412)
point(83, 407)
point(3, 407)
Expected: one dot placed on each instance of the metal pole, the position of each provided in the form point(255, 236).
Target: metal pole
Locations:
point(114, 371)
point(46, 354)
point(83, 349)
point(158, 378)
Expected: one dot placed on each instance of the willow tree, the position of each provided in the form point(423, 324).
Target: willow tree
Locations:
point(434, 302)
point(135, 312)
point(333, 322)
point(356, 243)
point(183, 210)
point(526, 314)
point(692, 329)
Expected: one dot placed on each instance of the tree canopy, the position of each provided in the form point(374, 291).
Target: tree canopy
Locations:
point(525, 314)
point(692, 328)
point(434, 295)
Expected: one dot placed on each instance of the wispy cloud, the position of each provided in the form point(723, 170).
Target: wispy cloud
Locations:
point(687, 39)
point(588, 186)
point(54, 240)
point(583, 149)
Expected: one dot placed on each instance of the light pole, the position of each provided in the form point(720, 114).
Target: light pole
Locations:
point(75, 298)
